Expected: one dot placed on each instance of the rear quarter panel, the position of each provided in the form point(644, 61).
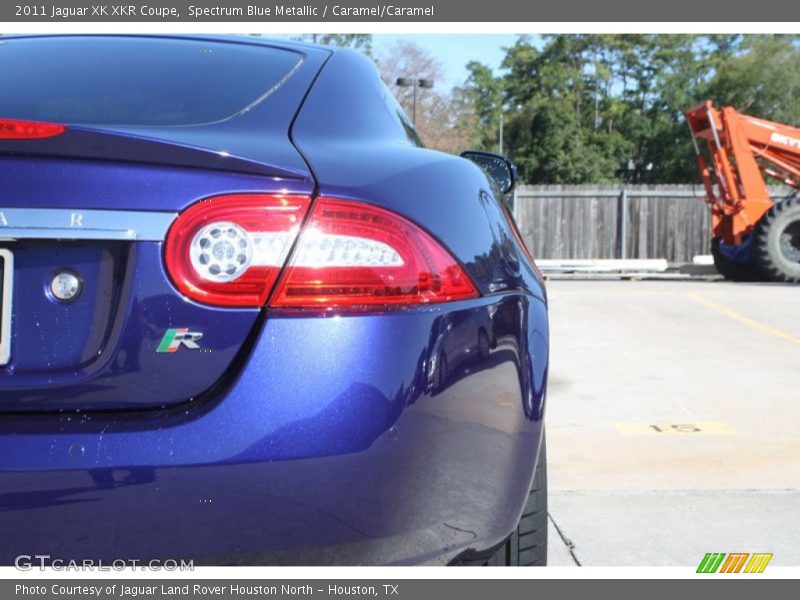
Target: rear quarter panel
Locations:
point(359, 146)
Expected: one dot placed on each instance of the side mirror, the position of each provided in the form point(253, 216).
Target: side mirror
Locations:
point(501, 169)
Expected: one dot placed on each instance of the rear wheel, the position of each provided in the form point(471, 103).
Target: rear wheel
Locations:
point(441, 372)
point(731, 270)
point(776, 244)
point(527, 546)
point(483, 345)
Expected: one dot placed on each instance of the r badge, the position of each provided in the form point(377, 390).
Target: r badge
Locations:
point(175, 338)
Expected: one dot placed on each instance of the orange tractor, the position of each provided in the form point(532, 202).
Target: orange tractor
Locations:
point(755, 236)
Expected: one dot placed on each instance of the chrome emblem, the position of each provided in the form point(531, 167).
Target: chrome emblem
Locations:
point(175, 338)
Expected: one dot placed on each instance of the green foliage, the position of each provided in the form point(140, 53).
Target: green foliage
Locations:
point(484, 97)
point(580, 108)
point(555, 148)
point(764, 80)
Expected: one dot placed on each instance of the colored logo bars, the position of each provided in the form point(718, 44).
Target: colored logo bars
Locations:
point(734, 562)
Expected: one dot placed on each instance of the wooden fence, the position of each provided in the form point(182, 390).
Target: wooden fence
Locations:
point(596, 221)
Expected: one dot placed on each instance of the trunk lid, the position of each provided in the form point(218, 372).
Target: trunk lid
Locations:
point(114, 345)
point(153, 125)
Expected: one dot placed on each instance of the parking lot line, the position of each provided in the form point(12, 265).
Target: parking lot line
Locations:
point(752, 323)
point(637, 370)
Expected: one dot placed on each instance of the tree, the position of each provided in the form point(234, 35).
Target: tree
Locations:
point(555, 148)
point(483, 94)
point(763, 79)
point(580, 108)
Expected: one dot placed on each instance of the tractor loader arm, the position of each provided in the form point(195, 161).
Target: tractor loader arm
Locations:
point(742, 151)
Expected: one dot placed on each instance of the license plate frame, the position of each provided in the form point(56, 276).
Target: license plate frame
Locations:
point(6, 294)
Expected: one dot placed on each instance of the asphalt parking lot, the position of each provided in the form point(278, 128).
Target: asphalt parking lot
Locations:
point(673, 418)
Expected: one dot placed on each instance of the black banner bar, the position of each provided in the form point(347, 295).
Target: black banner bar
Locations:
point(402, 11)
point(383, 589)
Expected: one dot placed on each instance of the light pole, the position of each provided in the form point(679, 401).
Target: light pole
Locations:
point(414, 83)
point(500, 135)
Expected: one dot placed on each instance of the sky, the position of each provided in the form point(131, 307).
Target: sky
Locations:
point(454, 51)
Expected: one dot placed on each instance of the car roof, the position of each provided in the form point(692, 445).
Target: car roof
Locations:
point(278, 42)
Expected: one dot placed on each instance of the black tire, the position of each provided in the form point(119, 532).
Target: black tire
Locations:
point(527, 546)
point(776, 245)
point(441, 372)
point(484, 346)
point(733, 271)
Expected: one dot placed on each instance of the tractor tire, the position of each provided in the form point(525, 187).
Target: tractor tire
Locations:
point(730, 270)
point(776, 242)
point(527, 546)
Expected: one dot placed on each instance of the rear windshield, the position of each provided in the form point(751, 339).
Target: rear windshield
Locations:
point(130, 81)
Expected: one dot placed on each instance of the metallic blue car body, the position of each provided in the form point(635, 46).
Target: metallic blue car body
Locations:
point(298, 437)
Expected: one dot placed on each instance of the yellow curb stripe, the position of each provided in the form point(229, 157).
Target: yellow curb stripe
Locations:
point(752, 323)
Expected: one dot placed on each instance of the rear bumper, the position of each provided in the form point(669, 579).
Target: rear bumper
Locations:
point(338, 443)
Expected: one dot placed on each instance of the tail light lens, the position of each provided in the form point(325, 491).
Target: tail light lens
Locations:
point(229, 250)
point(354, 254)
point(14, 129)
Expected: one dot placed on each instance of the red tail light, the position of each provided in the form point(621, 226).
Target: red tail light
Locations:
point(354, 254)
point(229, 250)
point(13, 129)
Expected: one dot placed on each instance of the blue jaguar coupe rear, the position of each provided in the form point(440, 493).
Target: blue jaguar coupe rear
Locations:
point(245, 318)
